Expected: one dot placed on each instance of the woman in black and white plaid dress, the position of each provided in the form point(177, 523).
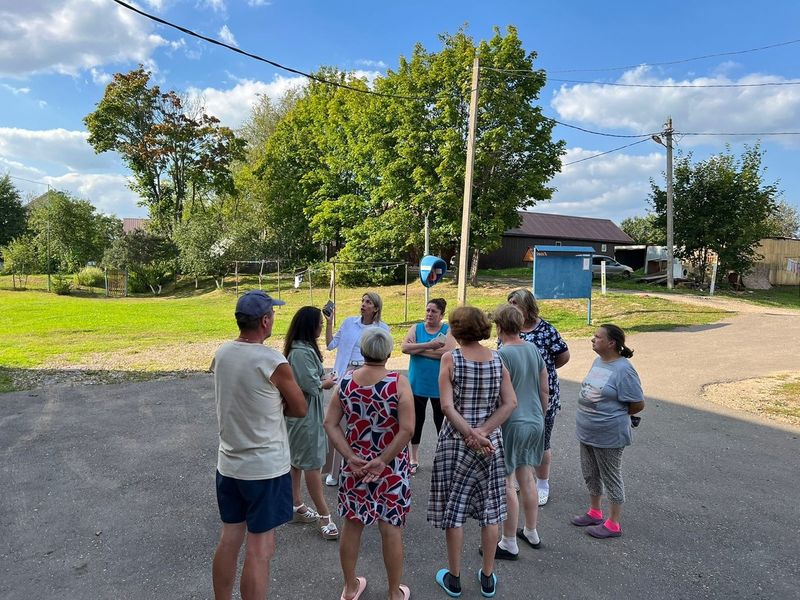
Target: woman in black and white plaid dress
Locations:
point(468, 477)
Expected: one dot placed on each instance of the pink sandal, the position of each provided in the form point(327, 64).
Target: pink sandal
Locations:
point(362, 585)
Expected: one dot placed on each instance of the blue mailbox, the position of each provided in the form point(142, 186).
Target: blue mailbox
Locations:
point(431, 270)
point(561, 272)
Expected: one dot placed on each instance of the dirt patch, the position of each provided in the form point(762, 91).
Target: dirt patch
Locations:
point(775, 397)
point(164, 362)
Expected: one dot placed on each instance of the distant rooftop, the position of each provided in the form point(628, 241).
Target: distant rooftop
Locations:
point(129, 225)
point(569, 228)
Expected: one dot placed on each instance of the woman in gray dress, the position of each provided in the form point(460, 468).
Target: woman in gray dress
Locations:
point(523, 432)
point(308, 443)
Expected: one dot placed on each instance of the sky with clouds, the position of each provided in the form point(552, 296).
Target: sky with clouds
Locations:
point(57, 56)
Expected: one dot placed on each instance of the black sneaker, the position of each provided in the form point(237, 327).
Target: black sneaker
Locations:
point(488, 584)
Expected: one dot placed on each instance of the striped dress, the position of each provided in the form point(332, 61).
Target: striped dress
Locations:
point(464, 483)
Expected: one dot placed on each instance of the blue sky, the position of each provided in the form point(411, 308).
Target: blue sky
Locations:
point(56, 56)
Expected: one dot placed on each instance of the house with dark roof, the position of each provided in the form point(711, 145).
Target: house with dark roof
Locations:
point(540, 229)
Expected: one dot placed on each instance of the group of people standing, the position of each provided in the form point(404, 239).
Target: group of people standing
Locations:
point(494, 412)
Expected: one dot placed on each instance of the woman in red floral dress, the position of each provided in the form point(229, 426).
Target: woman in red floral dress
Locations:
point(378, 408)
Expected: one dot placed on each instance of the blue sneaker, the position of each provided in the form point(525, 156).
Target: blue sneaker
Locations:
point(444, 579)
point(490, 590)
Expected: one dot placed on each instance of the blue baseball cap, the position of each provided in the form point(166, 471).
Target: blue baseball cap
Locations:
point(255, 304)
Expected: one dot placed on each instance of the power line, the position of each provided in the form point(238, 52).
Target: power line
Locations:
point(603, 153)
point(265, 60)
point(679, 61)
point(602, 133)
point(681, 85)
point(528, 73)
point(28, 180)
point(753, 134)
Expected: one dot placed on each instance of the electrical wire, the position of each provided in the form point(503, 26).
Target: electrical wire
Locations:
point(265, 60)
point(680, 85)
point(602, 133)
point(574, 162)
point(676, 62)
point(739, 133)
point(528, 73)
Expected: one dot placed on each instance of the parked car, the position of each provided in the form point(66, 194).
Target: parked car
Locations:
point(612, 267)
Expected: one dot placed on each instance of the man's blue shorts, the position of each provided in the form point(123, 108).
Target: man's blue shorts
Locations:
point(263, 503)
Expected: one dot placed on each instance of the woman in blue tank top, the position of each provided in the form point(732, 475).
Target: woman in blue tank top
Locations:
point(426, 342)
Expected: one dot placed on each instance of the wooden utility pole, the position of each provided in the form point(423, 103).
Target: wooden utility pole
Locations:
point(670, 222)
point(463, 266)
point(427, 251)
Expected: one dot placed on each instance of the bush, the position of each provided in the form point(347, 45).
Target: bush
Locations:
point(61, 285)
point(91, 277)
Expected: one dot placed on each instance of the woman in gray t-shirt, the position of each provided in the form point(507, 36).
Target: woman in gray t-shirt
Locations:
point(610, 393)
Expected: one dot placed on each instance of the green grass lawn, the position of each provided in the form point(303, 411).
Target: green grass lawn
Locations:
point(37, 328)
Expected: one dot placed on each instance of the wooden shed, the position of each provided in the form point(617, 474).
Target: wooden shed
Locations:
point(777, 252)
point(541, 229)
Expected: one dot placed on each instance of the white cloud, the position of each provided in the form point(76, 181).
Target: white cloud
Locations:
point(226, 35)
point(215, 5)
point(64, 160)
point(62, 36)
point(108, 193)
point(42, 104)
point(613, 187)
point(233, 106)
point(100, 77)
point(60, 149)
point(258, 3)
point(365, 62)
point(15, 90)
point(642, 110)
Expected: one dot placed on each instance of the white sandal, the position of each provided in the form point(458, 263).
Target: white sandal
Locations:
point(303, 514)
point(329, 531)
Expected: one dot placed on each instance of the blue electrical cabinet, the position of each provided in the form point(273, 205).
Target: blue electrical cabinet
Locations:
point(561, 272)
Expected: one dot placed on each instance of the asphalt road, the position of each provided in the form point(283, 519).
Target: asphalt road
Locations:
point(108, 492)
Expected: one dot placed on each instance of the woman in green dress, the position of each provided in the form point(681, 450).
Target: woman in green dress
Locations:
point(523, 432)
point(308, 443)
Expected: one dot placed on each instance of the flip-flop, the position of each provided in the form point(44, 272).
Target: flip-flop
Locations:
point(414, 468)
point(362, 585)
point(406, 592)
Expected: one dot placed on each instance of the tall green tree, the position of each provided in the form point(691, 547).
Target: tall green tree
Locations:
point(365, 170)
point(784, 222)
point(70, 230)
point(645, 230)
point(12, 212)
point(721, 204)
point(177, 154)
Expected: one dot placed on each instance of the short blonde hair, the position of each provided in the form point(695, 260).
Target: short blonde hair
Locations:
point(508, 319)
point(470, 324)
point(376, 344)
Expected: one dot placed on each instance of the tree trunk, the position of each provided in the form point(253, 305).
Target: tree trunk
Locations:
point(473, 267)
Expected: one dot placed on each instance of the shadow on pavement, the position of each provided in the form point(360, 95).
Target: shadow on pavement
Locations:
point(108, 492)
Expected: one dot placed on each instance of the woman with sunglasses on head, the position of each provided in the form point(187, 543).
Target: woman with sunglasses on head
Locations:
point(348, 353)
